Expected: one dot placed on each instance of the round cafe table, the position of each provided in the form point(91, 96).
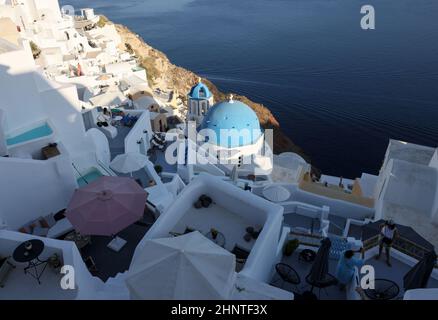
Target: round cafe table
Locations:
point(24, 254)
point(384, 289)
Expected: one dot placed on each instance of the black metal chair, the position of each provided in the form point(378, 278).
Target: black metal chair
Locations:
point(328, 281)
point(288, 275)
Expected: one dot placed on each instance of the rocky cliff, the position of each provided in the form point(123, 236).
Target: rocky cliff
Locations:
point(167, 76)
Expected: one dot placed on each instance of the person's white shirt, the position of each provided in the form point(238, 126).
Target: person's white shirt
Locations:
point(103, 118)
point(387, 232)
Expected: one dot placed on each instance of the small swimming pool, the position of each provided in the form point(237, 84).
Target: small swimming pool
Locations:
point(36, 133)
point(92, 175)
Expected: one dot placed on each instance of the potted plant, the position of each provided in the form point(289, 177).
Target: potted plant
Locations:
point(198, 204)
point(290, 247)
point(205, 200)
point(214, 233)
point(158, 169)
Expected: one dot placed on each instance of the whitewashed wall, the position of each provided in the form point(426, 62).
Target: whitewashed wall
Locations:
point(19, 97)
point(87, 286)
point(34, 188)
point(252, 208)
point(136, 133)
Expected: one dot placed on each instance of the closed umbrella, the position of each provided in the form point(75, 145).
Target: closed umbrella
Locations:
point(129, 162)
point(106, 206)
point(234, 174)
point(320, 266)
point(189, 266)
point(319, 275)
point(276, 193)
point(419, 275)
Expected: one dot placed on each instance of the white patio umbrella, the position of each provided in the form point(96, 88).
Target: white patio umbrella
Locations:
point(276, 193)
point(185, 267)
point(129, 162)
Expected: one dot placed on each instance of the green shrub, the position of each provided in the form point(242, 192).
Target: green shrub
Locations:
point(290, 247)
point(36, 51)
point(102, 21)
point(158, 168)
point(129, 48)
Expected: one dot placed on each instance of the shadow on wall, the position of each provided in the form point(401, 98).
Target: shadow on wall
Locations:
point(35, 188)
point(28, 97)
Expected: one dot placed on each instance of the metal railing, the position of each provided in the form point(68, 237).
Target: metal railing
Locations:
point(401, 244)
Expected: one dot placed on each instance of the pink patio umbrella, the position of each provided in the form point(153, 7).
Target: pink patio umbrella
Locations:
point(106, 206)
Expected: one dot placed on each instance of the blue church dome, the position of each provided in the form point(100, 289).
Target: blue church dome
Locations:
point(232, 115)
point(200, 91)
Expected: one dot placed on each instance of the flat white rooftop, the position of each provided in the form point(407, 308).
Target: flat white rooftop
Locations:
point(410, 152)
point(232, 226)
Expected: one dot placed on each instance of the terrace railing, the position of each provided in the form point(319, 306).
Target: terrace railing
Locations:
point(401, 244)
point(311, 240)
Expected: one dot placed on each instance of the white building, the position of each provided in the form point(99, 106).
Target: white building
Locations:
point(51, 144)
point(231, 213)
point(407, 189)
point(200, 100)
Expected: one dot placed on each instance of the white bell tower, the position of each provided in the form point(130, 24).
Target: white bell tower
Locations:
point(200, 100)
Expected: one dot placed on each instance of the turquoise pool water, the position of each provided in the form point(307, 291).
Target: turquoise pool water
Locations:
point(89, 177)
point(39, 132)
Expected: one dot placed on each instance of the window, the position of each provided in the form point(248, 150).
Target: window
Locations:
point(203, 108)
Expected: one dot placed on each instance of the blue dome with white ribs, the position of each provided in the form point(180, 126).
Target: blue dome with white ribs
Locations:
point(238, 123)
point(200, 91)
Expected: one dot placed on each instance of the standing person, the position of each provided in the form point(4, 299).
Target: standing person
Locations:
point(388, 232)
point(104, 118)
point(345, 269)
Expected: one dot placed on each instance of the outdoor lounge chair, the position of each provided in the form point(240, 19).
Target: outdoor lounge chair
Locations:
point(288, 275)
point(116, 244)
point(60, 229)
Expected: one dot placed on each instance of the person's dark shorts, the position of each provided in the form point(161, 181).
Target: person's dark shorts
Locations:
point(386, 242)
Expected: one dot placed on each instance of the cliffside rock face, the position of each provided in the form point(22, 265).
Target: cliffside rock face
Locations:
point(166, 76)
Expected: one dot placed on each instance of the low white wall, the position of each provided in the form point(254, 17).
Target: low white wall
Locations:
point(337, 207)
point(101, 145)
point(62, 106)
point(137, 132)
point(86, 285)
point(302, 208)
point(176, 185)
point(34, 188)
point(421, 294)
point(245, 204)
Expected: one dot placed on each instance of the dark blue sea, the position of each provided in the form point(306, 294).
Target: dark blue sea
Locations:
point(338, 91)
